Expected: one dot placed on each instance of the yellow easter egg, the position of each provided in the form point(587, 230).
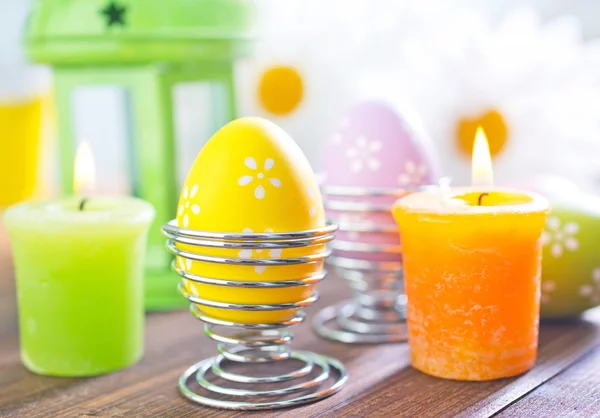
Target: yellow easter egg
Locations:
point(251, 177)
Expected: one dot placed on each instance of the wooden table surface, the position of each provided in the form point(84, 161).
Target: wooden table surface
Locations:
point(565, 382)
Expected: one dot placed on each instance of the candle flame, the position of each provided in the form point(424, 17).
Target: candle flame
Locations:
point(85, 169)
point(482, 173)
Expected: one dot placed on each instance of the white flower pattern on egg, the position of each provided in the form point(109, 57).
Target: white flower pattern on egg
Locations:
point(259, 190)
point(592, 291)
point(548, 286)
point(337, 138)
point(248, 253)
point(363, 154)
point(188, 206)
point(314, 210)
point(186, 265)
point(560, 238)
point(414, 175)
point(321, 177)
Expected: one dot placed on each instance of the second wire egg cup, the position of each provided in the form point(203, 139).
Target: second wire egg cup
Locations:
point(373, 270)
point(249, 352)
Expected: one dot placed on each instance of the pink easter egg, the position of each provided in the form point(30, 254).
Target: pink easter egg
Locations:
point(375, 146)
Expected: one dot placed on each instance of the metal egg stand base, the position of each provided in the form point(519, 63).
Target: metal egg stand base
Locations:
point(376, 317)
point(326, 364)
point(230, 379)
point(377, 313)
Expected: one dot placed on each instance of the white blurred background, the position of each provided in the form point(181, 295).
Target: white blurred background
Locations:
point(533, 65)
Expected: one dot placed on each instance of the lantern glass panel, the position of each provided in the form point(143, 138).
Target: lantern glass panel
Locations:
point(197, 115)
point(101, 116)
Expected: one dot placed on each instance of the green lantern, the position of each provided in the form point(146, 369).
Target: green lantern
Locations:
point(145, 48)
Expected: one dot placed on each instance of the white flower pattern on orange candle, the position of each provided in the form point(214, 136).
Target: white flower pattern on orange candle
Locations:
point(363, 154)
point(560, 238)
point(186, 206)
point(259, 190)
point(248, 253)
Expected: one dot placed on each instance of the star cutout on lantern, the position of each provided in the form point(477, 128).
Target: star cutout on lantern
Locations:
point(115, 14)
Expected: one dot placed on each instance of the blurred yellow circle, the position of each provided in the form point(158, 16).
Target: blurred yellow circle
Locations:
point(493, 125)
point(281, 89)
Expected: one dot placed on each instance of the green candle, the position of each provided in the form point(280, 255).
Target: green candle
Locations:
point(79, 272)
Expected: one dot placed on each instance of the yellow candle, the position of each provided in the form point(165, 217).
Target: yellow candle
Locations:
point(20, 125)
point(472, 259)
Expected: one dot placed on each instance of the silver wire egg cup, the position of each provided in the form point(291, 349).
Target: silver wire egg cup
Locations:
point(230, 380)
point(377, 312)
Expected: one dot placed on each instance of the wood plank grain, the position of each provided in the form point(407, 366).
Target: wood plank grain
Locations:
point(573, 393)
point(403, 391)
point(382, 383)
point(569, 342)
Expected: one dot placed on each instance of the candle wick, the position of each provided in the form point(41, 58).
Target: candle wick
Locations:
point(82, 204)
point(481, 197)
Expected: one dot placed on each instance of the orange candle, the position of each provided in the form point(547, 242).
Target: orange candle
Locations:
point(472, 260)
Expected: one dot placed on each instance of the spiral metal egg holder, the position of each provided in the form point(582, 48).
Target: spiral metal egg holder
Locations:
point(377, 312)
point(250, 347)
